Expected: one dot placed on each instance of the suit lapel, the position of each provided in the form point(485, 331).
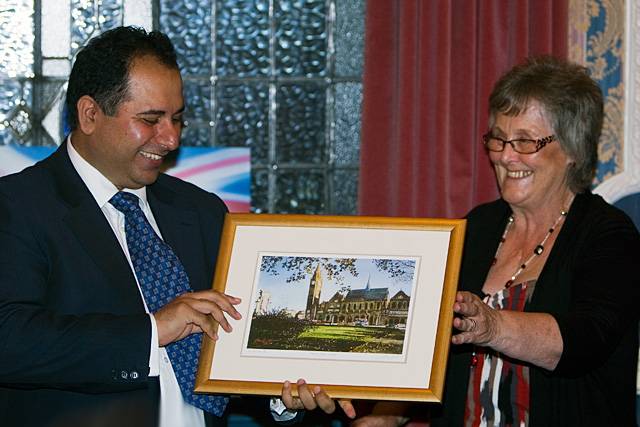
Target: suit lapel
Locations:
point(88, 224)
point(178, 222)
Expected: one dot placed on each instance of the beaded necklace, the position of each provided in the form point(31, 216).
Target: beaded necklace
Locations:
point(539, 249)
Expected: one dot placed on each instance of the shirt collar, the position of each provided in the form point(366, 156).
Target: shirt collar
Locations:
point(99, 186)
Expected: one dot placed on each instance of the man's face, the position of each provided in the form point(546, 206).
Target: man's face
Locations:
point(128, 148)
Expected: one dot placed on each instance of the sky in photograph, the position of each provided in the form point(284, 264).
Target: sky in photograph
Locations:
point(293, 295)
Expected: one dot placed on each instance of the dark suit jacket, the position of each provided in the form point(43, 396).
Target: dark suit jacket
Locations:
point(74, 336)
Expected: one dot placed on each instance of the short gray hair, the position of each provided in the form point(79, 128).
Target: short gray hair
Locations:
point(571, 102)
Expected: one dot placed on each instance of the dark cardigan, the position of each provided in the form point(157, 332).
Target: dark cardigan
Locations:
point(591, 285)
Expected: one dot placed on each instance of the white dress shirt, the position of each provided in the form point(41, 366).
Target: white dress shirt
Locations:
point(174, 411)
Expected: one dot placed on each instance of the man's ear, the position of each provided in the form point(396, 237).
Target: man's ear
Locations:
point(88, 112)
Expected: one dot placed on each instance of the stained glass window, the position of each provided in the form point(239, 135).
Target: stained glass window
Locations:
point(282, 77)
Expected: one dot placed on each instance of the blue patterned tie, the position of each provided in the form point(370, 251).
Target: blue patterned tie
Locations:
point(162, 278)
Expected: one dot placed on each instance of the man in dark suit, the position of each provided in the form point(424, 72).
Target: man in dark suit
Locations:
point(78, 345)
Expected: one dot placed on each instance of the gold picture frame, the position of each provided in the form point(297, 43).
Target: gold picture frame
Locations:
point(387, 339)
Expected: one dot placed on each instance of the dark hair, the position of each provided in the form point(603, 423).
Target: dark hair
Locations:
point(571, 102)
point(101, 69)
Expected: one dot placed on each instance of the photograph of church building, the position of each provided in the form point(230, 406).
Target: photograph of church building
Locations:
point(332, 304)
point(364, 307)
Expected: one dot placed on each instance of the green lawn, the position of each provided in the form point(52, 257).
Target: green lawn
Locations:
point(352, 339)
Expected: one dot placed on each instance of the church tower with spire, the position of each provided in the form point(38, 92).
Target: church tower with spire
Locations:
point(313, 298)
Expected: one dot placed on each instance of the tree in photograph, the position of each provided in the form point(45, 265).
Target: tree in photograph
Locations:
point(297, 268)
point(399, 269)
point(336, 269)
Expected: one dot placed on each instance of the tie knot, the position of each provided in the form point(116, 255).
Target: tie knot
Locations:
point(125, 202)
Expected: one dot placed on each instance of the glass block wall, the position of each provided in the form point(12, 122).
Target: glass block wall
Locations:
point(282, 77)
point(16, 71)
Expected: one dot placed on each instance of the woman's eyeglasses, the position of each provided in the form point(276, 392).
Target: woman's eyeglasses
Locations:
point(520, 145)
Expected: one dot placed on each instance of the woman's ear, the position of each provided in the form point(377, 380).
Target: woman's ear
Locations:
point(88, 111)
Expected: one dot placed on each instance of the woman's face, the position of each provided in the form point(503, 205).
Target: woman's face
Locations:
point(529, 181)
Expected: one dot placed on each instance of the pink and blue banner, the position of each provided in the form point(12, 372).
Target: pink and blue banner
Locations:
point(223, 171)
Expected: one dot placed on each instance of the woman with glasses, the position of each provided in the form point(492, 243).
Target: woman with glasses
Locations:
point(547, 312)
point(547, 315)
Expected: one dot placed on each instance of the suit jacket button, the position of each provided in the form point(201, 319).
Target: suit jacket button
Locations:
point(124, 375)
point(133, 375)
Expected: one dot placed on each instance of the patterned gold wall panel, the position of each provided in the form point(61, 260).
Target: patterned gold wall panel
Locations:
point(596, 39)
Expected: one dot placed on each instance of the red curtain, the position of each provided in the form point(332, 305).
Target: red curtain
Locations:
point(429, 69)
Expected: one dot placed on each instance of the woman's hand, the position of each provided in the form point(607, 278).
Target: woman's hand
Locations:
point(529, 337)
point(478, 322)
point(311, 399)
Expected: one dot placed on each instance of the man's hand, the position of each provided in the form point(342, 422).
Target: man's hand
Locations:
point(194, 312)
point(311, 399)
point(385, 414)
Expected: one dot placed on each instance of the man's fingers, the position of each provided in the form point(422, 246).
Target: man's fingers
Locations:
point(310, 399)
point(223, 302)
point(305, 395)
point(207, 325)
point(194, 312)
point(226, 304)
point(209, 308)
point(347, 407)
point(211, 304)
point(324, 401)
point(221, 319)
point(200, 320)
point(233, 300)
point(286, 396)
point(179, 319)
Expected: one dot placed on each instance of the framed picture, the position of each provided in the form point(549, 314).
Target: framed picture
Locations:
point(359, 305)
